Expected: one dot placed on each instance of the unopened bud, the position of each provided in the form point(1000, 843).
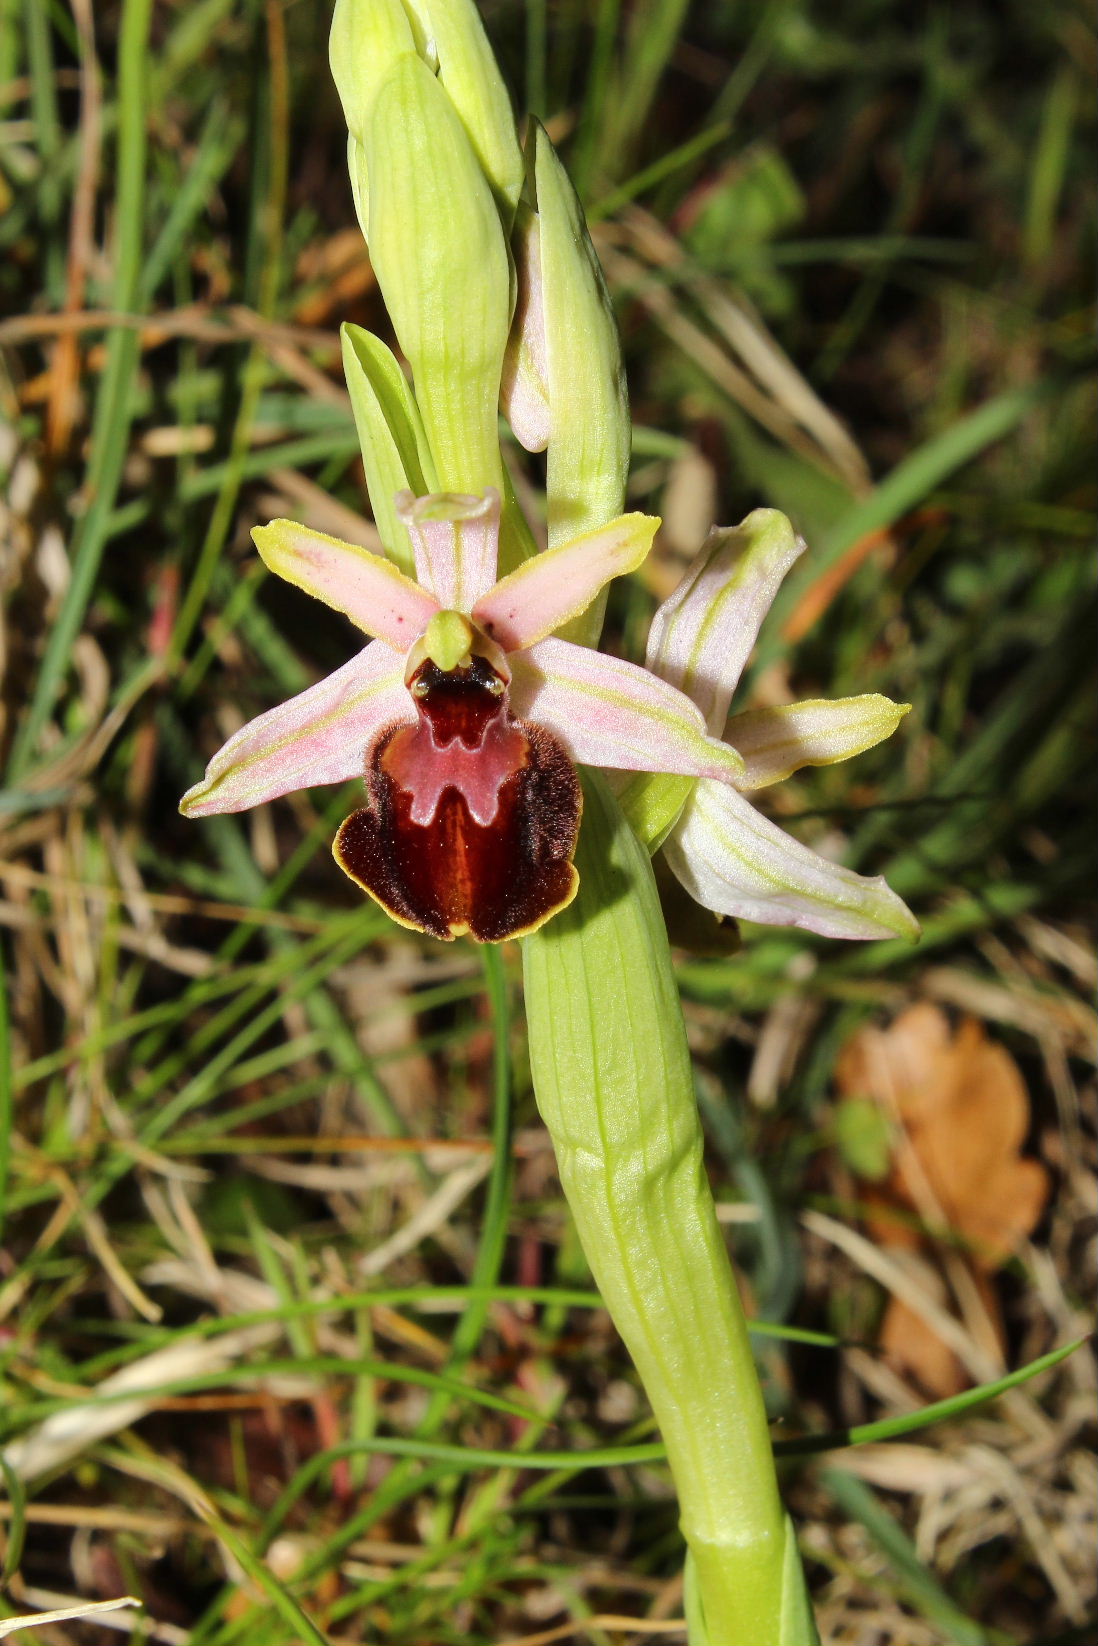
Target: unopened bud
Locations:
point(564, 387)
point(524, 394)
point(366, 39)
point(438, 251)
point(452, 33)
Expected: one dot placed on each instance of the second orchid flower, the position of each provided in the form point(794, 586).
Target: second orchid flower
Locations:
point(726, 854)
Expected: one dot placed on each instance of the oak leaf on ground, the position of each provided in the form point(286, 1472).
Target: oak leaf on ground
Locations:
point(958, 1188)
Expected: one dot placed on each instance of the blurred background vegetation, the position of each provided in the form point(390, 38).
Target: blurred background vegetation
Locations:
point(245, 1122)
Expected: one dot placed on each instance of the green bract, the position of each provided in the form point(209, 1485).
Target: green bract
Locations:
point(435, 172)
point(395, 454)
point(367, 38)
point(450, 32)
point(589, 413)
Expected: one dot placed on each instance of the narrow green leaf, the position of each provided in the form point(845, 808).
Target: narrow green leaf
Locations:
point(493, 1233)
point(17, 1523)
point(909, 483)
point(888, 1428)
point(260, 1573)
point(1051, 161)
point(113, 406)
point(556, 1298)
point(262, 278)
point(305, 1364)
point(216, 148)
point(468, 70)
point(652, 37)
point(7, 1094)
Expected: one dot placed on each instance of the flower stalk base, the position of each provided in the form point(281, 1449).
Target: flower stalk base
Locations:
point(613, 1083)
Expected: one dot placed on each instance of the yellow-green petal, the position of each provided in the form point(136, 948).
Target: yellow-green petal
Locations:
point(365, 587)
point(817, 732)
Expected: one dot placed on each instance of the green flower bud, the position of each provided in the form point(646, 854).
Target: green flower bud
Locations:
point(366, 39)
point(441, 260)
point(451, 32)
point(564, 387)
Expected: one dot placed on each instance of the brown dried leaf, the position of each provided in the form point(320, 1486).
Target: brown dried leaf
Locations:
point(960, 1110)
point(912, 1349)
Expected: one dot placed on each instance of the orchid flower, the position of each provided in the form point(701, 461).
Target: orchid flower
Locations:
point(725, 853)
point(464, 714)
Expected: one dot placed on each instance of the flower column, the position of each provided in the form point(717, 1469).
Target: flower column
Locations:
point(437, 175)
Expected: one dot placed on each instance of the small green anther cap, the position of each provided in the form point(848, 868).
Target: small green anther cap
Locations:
point(447, 640)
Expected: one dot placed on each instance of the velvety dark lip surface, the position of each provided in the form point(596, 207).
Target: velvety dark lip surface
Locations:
point(471, 817)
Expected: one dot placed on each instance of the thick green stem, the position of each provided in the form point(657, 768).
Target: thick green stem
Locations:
point(613, 1082)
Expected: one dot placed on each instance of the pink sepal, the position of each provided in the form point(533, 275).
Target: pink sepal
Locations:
point(548, 591)
point(734, 861)
point(610, 713)
point(320, 736)
point(702, 636)
point(456, 544)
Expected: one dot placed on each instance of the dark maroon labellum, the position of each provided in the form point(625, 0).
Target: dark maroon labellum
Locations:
point(471, 816)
